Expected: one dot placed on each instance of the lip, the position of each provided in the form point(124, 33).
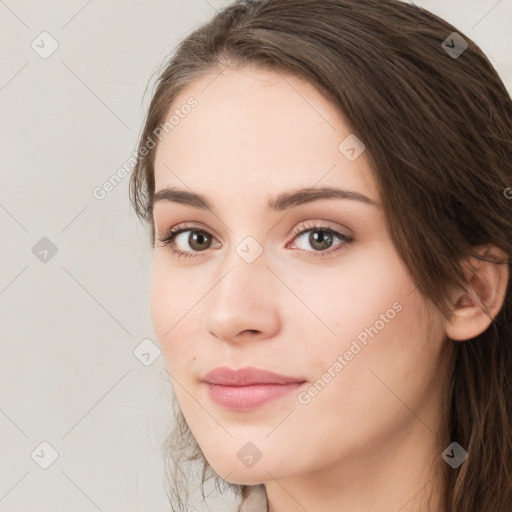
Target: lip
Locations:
point(248, 388)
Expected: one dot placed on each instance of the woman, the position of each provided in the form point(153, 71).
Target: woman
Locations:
point(328, 188)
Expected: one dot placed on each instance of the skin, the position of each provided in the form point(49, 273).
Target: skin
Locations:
point(367, 440)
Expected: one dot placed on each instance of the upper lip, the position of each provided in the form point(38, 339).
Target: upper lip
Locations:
point(246, 377)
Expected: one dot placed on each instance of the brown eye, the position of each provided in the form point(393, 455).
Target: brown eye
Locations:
point(187, 241)
point(199, 240)
point(320, 239)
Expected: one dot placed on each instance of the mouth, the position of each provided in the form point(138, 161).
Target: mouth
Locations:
point(248, 388)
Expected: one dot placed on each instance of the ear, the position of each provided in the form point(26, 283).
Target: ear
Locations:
point(480, 303)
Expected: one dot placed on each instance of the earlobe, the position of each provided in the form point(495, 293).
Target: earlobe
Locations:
point(487, 275)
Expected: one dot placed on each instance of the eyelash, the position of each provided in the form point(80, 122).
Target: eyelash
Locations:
point(168, 239)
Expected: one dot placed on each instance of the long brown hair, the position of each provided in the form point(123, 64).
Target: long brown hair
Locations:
point(437, 127)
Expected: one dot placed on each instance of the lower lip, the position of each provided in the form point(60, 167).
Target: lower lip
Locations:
point(239, 398)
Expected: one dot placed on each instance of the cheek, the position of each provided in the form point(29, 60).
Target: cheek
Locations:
point(382, 337)
point(367, 289)
point(172, 311)
point(370, 396)
point(160, 299)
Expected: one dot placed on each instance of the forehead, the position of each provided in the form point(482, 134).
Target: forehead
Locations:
point(254, 128)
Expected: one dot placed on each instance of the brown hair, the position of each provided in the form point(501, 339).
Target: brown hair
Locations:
point(438, 135)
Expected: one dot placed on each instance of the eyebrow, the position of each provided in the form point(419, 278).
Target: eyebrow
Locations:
point(282, 202)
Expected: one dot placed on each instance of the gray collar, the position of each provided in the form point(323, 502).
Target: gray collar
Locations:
point(255, 499)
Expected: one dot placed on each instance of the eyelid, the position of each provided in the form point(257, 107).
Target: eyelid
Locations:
point(301, 226)
point(182, 226)
point(318, 224)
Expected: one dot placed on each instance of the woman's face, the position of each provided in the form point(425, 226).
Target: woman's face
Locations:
point(272, 288)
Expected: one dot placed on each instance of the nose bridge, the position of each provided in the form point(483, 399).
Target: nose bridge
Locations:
point(241, 300)
point(243, 273)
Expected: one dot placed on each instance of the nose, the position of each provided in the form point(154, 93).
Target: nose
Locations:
point(244, 303)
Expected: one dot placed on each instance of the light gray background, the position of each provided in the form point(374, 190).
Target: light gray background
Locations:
point(69, 325)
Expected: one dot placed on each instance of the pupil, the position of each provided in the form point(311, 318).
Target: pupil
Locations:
point(197, 239)
point(318, 237)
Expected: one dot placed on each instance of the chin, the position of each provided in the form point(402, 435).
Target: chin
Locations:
point(234, 473)
point(247, 477)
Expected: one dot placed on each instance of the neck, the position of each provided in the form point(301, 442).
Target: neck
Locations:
point(400, 477)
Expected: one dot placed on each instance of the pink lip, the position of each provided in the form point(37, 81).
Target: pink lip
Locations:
point(248, 388)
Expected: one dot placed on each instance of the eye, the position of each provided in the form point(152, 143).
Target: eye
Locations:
point(199, 240)
point(320, 238)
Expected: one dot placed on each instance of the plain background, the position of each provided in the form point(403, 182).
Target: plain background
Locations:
point(70, 321)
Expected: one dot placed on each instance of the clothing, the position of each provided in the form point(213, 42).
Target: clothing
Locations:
point(255, 500)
